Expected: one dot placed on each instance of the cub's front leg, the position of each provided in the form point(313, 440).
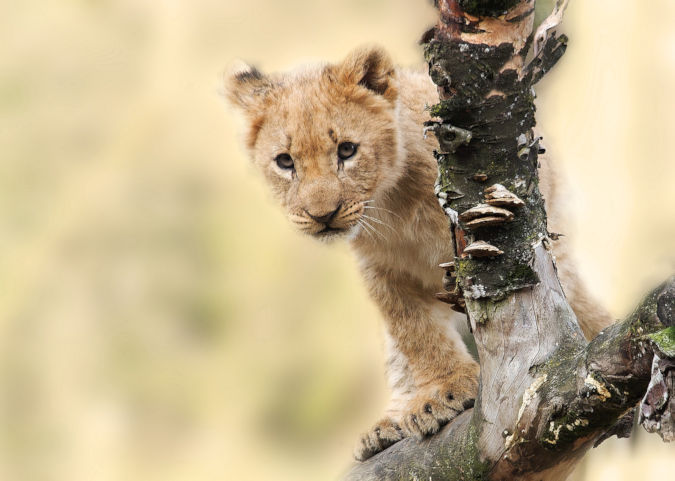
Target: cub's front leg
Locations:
point(431, 375)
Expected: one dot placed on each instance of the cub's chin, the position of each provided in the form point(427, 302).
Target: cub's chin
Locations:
point(330, 234)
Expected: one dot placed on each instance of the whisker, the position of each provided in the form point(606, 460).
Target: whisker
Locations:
point(378, 221)
point(365, 222)
point(359, 222)
point(382, 209)
point(366, 228)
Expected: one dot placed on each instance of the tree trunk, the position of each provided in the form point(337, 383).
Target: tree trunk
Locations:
point(546, 395)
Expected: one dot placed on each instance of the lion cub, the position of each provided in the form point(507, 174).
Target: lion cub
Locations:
point(342, 149)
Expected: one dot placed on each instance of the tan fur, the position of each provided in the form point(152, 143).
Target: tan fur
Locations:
point(386, 207)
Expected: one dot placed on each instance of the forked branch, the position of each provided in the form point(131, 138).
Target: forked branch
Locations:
point(546, 395)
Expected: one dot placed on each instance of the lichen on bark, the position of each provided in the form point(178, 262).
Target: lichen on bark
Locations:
point(665, 340)
point(489, 99)
point(608, 377)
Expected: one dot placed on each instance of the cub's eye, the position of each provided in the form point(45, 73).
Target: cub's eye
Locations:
point(284, 161)
point(346, 150)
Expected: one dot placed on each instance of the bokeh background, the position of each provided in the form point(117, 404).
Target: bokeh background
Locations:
point(160, 320)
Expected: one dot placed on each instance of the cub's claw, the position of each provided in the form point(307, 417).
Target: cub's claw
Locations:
point(439, 405)
point(436, 404)
point(427, 418)
point(385, 433)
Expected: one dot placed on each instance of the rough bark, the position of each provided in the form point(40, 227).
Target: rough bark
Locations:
point(546, 395)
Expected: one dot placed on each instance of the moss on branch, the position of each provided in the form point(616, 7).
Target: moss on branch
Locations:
point(578, 395)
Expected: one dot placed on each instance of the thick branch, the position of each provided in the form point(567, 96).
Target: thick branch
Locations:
point(574, 398)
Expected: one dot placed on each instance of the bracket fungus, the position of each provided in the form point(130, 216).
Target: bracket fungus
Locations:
point(498, 195)
point(454, 298)
point(483, 215)
point(481, 249)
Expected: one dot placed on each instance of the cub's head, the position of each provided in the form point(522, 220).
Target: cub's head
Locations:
point(325, 138)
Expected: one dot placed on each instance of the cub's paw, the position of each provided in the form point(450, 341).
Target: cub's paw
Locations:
point(439, 404)
point(385, 433)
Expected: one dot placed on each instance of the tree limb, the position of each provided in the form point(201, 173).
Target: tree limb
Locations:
point(570, 402)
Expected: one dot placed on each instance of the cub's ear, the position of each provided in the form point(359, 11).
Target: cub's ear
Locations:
point(245, 86)
point(372, 68)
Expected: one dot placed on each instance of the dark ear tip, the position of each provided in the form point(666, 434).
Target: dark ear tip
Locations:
point(378, 55)
point(251, 74)
point(242, 72)
point(244, 85)
point(372, 68)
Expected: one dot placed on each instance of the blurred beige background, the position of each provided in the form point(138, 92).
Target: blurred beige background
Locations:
point(159, 320)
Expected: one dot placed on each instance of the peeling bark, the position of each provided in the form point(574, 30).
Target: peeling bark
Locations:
point(546, 395)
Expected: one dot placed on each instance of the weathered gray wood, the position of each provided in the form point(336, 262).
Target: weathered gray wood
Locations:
point(536, 422)
point(517, 333)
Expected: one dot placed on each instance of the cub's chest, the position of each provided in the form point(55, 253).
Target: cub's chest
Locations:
point(416, 258)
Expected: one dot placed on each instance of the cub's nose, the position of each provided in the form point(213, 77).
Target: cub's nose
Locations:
point(324, 218)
